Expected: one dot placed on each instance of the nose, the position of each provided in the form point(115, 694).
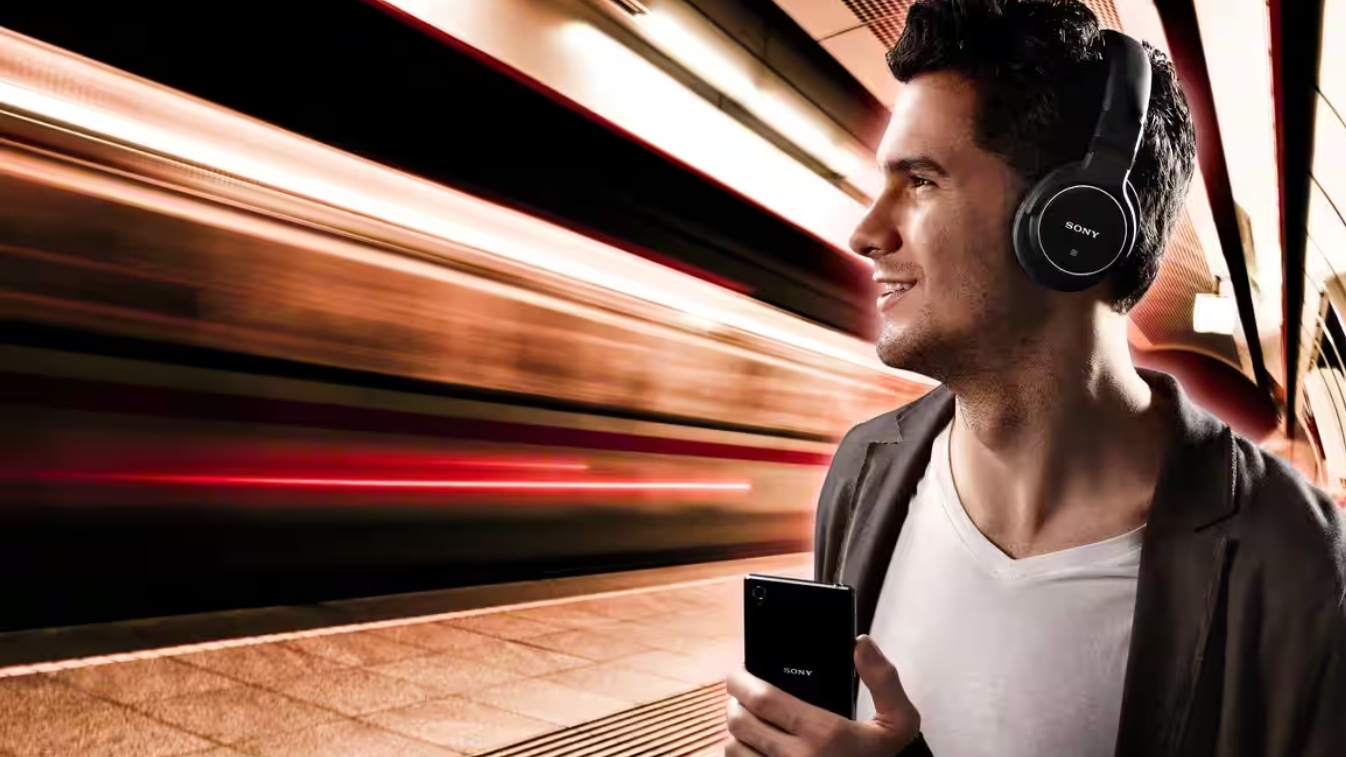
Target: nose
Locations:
point(876, 234)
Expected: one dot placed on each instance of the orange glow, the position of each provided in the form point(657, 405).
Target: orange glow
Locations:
point(166, 122)
point(362, 483)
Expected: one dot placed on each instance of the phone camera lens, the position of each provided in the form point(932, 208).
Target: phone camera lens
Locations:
point(759, 594)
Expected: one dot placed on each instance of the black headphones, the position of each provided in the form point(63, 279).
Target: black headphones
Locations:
point(1079, 222)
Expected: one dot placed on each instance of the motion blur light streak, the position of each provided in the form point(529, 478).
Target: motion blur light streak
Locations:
point(707, 138)
point(297, 375)
point(159, 402)
point(585, 67)
point(811, 132)
point(511, 464)
point(541, 486)
point(166, 122)
point(164, 202)
point(702, 58)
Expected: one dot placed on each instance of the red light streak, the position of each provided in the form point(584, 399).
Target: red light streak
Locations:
point(270, 481)
point(511, 464)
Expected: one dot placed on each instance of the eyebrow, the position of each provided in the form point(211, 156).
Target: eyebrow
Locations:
point(914, 164)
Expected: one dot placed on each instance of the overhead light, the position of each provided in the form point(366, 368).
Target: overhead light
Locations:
point(1213, 314)
point(805, 132)
point(712, 65)
point(611, 78)
point(737, 80)
point(1235, 35)
point(631, 6)
point(1332, 58)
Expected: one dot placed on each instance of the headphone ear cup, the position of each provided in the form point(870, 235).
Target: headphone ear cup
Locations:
point(1070, 230)
point(1026, 234)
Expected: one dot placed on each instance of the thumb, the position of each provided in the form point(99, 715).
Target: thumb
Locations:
point(880, 677)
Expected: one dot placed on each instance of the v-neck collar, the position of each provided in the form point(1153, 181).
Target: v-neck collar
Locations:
point(1114, 550)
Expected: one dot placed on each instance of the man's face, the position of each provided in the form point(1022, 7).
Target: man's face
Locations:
point(952, 296)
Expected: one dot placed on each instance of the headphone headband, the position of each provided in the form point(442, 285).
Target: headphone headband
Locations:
point(1078, 221)
point(1126, 101)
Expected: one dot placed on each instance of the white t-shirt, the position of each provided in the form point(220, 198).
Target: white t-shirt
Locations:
point(1004, 657)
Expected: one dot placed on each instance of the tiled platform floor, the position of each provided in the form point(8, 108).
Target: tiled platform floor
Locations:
point(438, 688)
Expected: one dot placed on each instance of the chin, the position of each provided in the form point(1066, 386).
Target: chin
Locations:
point(906, 349)
point(920, 348)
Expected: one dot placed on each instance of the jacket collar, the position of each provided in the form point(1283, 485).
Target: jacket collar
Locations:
point(895, 462)
point(1184, 557)
point(1198, 439)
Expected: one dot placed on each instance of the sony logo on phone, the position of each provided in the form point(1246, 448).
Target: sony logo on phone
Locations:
point(798, 672)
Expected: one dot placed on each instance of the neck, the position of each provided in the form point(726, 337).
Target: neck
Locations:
point(1063, 445)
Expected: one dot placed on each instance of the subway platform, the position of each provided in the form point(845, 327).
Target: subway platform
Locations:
point(630, 671)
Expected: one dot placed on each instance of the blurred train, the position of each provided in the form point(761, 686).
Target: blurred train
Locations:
point(239, 368)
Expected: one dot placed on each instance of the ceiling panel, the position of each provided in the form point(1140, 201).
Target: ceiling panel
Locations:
point(858, 33)
point(864, 56)
point(885, 18)
point(1326, 227)
point(1164, 316)
point(1236, 40)
point(822, 19)
point(1332, 65)
point(1329, 153)
point(1325, 257)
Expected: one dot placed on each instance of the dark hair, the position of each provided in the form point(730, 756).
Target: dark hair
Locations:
point(1039, 73)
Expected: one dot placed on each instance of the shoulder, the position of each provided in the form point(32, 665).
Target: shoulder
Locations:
point(838, 494)
point(910, 420)
point(893, 426)
point(887, 427)
point(1294, 536)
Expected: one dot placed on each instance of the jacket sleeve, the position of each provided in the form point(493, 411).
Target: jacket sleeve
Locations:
point(1325, 727)
point(1305, 699)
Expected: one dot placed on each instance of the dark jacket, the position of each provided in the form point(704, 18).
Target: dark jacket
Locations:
point(1238, 644)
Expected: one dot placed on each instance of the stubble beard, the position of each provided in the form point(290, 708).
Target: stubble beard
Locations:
point(915, 347)
point(998, 335)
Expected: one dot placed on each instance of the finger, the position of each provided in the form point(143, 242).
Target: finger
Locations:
point(880, 677)
point(739, 680)
point(751, 731)
point(771, 704)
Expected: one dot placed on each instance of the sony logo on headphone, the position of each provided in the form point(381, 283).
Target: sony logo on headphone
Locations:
point(1078, 228)
point(798, 672)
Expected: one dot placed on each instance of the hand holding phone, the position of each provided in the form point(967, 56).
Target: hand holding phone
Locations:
point(806, 716)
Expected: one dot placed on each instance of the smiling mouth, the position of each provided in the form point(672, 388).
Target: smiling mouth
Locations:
point(893, 290)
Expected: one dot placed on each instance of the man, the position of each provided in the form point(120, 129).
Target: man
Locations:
point(1058, 553)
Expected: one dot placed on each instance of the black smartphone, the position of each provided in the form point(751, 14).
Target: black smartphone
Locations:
point(799, 636)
